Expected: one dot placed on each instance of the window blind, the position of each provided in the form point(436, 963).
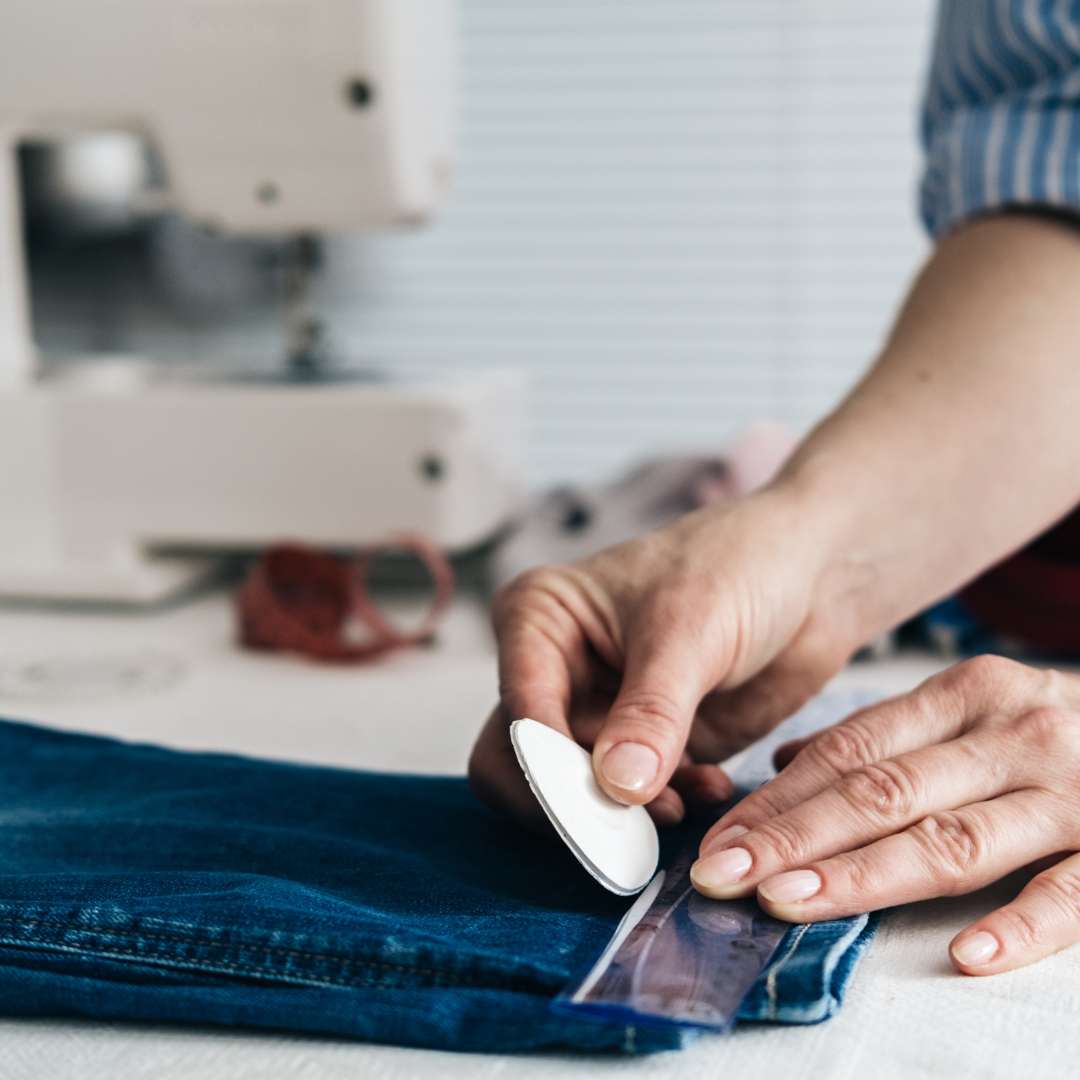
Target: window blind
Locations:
point(676, 217)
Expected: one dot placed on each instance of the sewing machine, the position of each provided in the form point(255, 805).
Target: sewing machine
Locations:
point(271, 117)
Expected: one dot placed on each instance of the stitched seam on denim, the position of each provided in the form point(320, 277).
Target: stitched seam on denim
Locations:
point(770, 980)
point(493, 980)
point(176, 964)
point(261, 974)
point(285, 950)
point(185, 939)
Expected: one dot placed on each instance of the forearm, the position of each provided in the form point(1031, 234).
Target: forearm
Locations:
point(963, 441)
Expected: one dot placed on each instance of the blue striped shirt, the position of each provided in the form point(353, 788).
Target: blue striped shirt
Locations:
point(1001, 118)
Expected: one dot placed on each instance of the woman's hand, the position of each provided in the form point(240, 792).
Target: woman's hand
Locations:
point(704, 635)
point(667, 654)
point(974, 774)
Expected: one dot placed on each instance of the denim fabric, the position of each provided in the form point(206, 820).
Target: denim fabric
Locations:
point(147, 884)
point(806, 980)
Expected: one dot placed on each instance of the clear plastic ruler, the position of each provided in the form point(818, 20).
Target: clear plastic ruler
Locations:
point(679, 958)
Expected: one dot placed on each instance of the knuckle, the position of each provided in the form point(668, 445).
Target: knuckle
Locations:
point(761, 805)
point(1061, 890)
point(1022, 925)
point(530, 584)
point(652, 710)
point(1054, 684)
point(786, 839)
point(953, 844)
point(977, 674)
point(1047, 727)
point(506, 603)
point(520, 698)
point(843, 748)
point(886, 789)
point(860, 876)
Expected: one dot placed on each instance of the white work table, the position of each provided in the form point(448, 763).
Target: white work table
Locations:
point(175, 677)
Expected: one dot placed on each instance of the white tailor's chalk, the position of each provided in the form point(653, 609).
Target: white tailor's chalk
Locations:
point(617, 844)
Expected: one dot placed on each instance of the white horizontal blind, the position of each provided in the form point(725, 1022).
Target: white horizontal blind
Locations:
point(677, 217)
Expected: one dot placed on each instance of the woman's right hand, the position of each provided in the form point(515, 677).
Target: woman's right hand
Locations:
point(667, 654)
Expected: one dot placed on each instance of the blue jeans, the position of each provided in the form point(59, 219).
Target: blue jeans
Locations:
point(145, 884)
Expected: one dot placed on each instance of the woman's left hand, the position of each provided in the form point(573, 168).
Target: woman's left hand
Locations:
point(974, 774)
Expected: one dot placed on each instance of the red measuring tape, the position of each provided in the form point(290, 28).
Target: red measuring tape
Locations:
point(298, 599)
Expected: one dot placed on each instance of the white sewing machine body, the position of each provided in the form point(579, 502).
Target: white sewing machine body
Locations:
point(110, 462)
point(275, 117)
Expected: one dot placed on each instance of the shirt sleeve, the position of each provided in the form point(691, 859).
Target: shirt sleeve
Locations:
point(1001, 115)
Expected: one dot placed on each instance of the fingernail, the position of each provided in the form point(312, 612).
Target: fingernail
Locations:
point(725, 836)
point(721, 870)
point(791, 887)
point(630, 766)
point(975, 949)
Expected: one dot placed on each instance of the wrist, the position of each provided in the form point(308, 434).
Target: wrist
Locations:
point(826, 508)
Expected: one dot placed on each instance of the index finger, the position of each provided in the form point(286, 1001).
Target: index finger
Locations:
point(535, 677)
point(861, 807)
point(888, 729)
point(542, 650)
point(541, 657)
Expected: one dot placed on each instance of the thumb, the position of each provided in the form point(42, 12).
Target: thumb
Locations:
point(643, 738)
